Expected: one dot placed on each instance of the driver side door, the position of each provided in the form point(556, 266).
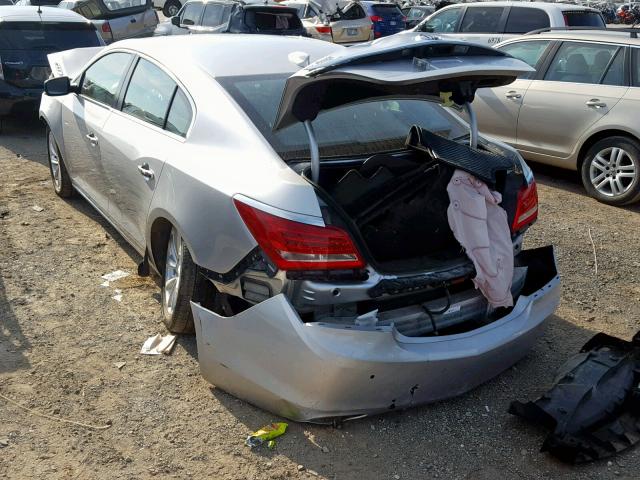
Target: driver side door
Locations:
point(446, 20)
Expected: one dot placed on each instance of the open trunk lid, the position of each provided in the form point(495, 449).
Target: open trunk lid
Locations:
point(416, 66)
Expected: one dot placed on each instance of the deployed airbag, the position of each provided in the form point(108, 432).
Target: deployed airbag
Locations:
point(594, 405)
point(480, 225)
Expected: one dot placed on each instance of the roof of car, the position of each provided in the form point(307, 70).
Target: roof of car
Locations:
point(596, 35)
point(223, 55)
point(30, 14)
point(541, 5)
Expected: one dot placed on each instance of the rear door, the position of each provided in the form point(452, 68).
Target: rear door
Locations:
point(157, 113)
point(483, 25)
point(83, 118)
point(498, 108)
point(353, 26)
point(583, 82)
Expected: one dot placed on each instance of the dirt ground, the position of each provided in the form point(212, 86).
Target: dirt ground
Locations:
point(61, 335)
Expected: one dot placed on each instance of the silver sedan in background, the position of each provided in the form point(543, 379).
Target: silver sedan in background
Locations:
point(292, 225)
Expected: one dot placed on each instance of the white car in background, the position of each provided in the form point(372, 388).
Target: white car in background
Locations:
point(493, 22)
point(344, 22)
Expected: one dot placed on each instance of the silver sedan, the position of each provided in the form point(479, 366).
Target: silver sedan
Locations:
point(295, 223)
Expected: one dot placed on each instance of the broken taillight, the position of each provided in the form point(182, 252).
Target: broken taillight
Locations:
point(323, 29)
point(527, 209)
point(298, 246)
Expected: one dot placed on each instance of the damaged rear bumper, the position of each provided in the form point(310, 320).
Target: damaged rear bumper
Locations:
point(319, 371)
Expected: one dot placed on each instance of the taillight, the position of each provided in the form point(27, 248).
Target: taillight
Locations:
point(404, 19)
point(106, 28)
point(566, 19)
point(324, 29)
point(1, 70)
point(527, 209)
point(298, 246)
point(376, 18)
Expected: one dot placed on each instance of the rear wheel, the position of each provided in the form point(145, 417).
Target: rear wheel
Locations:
point(59, 176)
point(178, 285)
point(171, 8)
point(611, 171)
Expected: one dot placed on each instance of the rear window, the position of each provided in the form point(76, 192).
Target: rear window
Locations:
point(273, 20)
point(50, 36)
point(386, 10)
point(115, 5)
point(583, 19)
point(358, 129)
point(524, 19)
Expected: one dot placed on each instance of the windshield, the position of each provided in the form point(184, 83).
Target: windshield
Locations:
point(47, 36)
point(357, 129)
point(583, 19)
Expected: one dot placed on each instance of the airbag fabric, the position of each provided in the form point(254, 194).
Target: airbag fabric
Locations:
point(480, 224)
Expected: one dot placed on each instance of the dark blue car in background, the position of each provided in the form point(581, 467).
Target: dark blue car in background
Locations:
point(387, 18)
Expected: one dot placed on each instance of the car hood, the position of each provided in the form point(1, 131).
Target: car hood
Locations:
point(416, 65)
point(69, 63)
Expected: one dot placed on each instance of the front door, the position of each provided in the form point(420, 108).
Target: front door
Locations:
point(84, 117)
point(582, 84)
point(498, 108)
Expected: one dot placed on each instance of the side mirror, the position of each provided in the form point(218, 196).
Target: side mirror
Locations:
point(175, 21)
point(58, 86)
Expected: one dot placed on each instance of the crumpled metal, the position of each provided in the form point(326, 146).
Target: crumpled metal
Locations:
point(481, 226)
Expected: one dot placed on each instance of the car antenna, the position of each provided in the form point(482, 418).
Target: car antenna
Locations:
point(39, 9)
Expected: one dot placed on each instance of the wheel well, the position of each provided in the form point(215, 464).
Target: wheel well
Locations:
point(160, 232)
point(596, 137)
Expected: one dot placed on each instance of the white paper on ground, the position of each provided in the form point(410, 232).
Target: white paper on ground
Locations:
point(158, 344)
point(118, 295)
point(116, 275)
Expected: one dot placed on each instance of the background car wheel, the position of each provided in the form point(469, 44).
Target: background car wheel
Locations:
point(178, 285)
point(171, 8)
point(59, 176)
point(611, 171)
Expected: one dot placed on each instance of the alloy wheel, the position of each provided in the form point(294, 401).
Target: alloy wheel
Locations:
point(612, 171)
point(54, 161)
point(172, 271)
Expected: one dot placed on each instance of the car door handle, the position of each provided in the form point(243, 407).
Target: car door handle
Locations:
point(595, 102)
point(145, 171)
point(133, 20)
point(92, 138)
point(513, 94)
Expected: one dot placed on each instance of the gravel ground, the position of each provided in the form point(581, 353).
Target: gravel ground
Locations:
point(61, 334)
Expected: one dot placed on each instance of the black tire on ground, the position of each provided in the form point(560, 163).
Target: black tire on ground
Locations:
point(63, 186)
point(614, 170)
point(171, 7)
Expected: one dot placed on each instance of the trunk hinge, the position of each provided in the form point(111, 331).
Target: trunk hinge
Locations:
point(315, 152)
point(473, 125)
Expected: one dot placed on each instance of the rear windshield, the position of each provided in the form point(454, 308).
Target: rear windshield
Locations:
point(583, 19)
point(357, 129)
point(263, 20)
point(386, 10)
point(49, 36)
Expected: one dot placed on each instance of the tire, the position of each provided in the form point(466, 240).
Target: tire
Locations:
point(611, 171)
point(178, 285)
point(171, 8)
point(59, 176)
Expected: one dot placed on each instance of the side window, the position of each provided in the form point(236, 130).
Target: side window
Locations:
point(582, 63)
point(191, 13)
point(525, 19)
point(482, 20)
point(103, 79)
point(635, 59)
point(529, 52)
point(354, 13)
point(615, 72)
point(149, 93)
point(212, 15)
point(180, 115)
point(444, 21)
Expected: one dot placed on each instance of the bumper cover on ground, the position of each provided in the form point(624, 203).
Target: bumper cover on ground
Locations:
point(319, 371)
